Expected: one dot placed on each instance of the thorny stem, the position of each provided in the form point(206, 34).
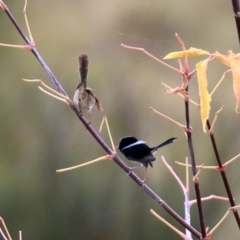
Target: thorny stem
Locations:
point(97, 137)
point(223, 174)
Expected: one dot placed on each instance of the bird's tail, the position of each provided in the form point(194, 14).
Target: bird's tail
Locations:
point(83, 68)
point(170, 140)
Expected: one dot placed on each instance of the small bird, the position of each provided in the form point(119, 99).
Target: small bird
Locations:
point(84, 96)
point(137, 150)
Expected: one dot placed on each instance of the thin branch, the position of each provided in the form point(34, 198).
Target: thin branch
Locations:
point(193, 162)
point(231, 160)
point(29, 45)
point(214, 120)
point(153, 57)
point(186, 205)
point(109, 132)
point(197, 166)
point(220, 81)
point(222, 219)
point(223, 175)
point(170, 119)
point(3, 5)
point(5, 228)
point(54, 96)
point(27, 23)
point(174, 175)
point(180, 94)
point(182, 235)
point(195, 178)
point(217, 168)
point(185, 191)
point(13, 46)
point(107, 157)
point(2, 234)
point(187, 175)
point(209, 198)
point(186, 66)
point(59, 96)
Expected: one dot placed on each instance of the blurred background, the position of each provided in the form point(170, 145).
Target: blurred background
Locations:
point(39, 134)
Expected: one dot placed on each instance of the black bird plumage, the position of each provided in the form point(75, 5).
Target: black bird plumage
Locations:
point(137, 150)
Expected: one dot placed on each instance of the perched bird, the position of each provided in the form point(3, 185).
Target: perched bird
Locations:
point(136, 150)
point(84, 96)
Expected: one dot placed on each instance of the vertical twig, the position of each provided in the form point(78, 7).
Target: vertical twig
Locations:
point(236, 11)
point(194, 169)
point(186, 78)
point(223, 175)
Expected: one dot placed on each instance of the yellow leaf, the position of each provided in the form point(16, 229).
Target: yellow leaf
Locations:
point(189, 53)
point(205, 97)
point(235, 67)
point(225, 60)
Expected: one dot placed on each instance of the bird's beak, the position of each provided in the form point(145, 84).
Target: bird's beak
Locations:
point(117, 147)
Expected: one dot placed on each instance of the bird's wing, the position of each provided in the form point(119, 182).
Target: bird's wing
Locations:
point(97, 103)
point(138, 152)
point(147, 160)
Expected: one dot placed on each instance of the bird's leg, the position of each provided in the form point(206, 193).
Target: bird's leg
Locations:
point(145, 172)
point(145, 175)
point(89, 116)
point(135, 167)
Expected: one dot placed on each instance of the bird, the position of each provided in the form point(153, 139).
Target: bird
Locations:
point(84, 97)
point(138, 151)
